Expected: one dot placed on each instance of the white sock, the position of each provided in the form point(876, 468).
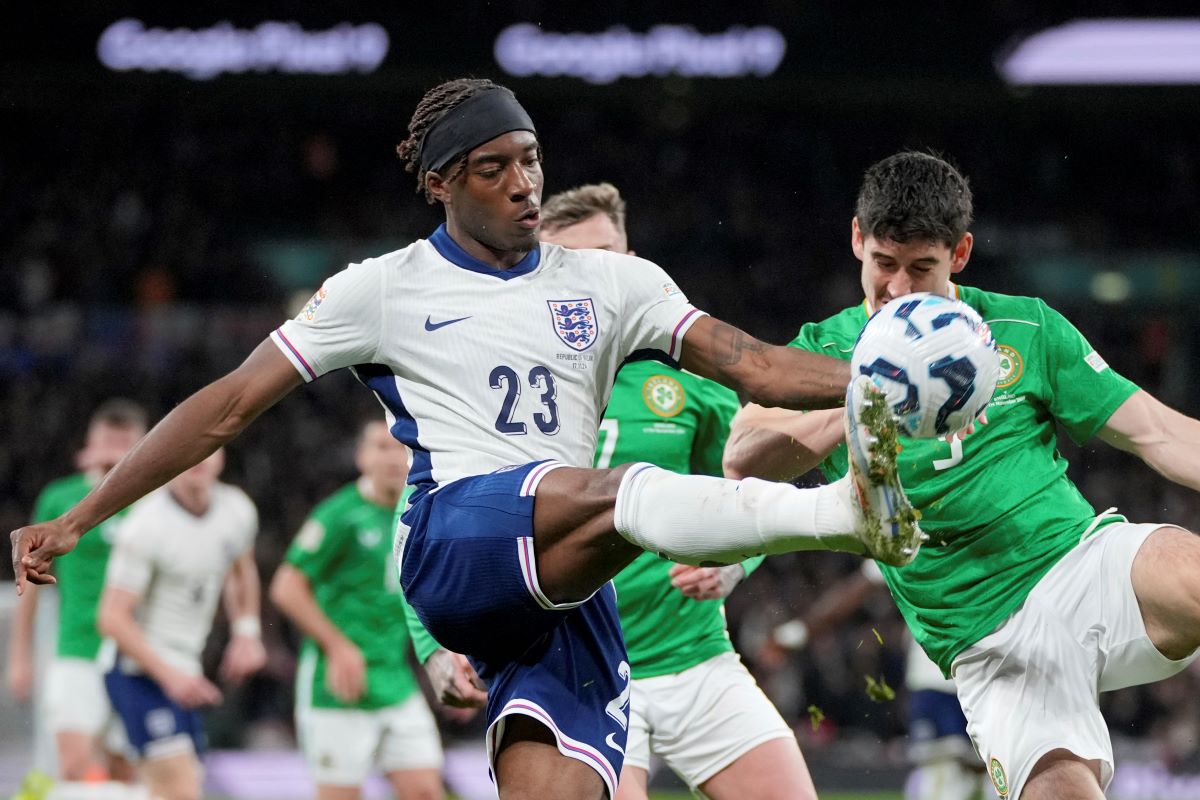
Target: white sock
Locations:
point(695, 519)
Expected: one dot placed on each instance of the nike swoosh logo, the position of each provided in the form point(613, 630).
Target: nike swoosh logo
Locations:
point(610, 741)
point(430, 325)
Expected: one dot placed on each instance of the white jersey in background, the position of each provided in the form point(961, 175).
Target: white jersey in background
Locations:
point(177, 562)
point(478, 368)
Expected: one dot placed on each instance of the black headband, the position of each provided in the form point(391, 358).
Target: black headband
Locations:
point(478, 119)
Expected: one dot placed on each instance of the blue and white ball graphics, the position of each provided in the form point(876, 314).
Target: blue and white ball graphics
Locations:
point(935, 360)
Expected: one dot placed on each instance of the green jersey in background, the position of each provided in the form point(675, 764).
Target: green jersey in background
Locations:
point(998, 506)
point(679, 422)
point(345, 551)
point(80, 572)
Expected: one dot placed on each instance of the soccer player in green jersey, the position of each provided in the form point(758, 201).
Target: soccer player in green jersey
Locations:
point(87, 734)
point(357, 702)
point(1033, 601)
point(692, 701)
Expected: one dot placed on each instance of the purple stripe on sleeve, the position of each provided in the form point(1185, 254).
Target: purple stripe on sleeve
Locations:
point(296, 353)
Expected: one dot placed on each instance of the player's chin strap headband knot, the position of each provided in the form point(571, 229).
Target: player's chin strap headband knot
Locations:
point(478, 119)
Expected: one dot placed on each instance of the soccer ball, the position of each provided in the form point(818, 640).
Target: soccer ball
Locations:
point(935, 360)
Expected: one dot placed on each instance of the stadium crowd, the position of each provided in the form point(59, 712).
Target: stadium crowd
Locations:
point(142, 260)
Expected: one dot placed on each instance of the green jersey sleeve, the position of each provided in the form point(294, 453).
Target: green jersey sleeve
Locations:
point(1085, 390)
point(423, 642)
point(320, 544)
point(751, 564)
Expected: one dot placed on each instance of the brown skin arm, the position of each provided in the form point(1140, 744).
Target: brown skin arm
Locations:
point(185, 437)
point(769, 375)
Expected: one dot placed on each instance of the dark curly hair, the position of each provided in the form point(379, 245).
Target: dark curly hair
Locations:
point(433, 106)
point(914, 196)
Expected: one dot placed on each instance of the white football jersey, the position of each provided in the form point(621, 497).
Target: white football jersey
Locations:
point(177, 563)
point(479, 368)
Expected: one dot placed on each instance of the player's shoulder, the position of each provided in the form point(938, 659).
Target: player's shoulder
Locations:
point(233, 498)
point(392, 266)
point(706, 389)
point(147, 517)
point(65, 488)
point(997, 308)
point(613, 266)
point(835, 335)
point(338, 503)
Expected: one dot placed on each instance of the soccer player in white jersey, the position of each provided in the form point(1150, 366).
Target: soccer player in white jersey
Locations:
point(179, 551)
point(494, 356)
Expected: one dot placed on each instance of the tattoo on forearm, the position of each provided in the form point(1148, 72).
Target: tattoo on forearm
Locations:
point(730, 344)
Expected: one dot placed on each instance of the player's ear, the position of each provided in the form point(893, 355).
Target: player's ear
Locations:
point(856, 239)
point(437, 187)
point(962, 252)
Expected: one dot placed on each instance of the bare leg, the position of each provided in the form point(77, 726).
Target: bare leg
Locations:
point(175, 777)
point(775, 770)
point(1061, 775)
point(417, 784)
point(1165, 573)
point(634, 781)
point(529, 766)
point(577, 546)
point(328, 792)
point(77, 754)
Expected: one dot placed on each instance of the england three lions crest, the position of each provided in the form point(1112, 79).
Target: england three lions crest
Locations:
point(575, 322)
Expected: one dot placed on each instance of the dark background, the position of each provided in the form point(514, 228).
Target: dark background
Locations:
point(154, 228)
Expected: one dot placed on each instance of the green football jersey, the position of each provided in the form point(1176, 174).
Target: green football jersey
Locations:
point(345, 551)
point(998, 506)
point(80, 572)
point(679, 422)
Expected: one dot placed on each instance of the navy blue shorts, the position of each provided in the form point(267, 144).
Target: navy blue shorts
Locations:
point(937, 727)
point(468, 570)
point(156, 725)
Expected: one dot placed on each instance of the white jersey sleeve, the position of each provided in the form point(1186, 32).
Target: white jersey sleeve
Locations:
point(341, 325)
point(655, 314)
point(131, 564)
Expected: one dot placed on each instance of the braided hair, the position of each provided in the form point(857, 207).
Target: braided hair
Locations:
point(433, 106)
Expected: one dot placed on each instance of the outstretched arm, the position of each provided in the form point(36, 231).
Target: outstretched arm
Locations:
point(769, 375)
point(189, 434)
point(778, 444)
point(1168, 441)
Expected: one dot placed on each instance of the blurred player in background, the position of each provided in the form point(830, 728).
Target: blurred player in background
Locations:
point(494, 357)
point(692, 701)
point(178, 552)
point(357, 702)
point(945, 765)
point(89, 738)
point(1031, 599)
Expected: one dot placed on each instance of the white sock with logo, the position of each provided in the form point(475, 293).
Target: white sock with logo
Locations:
point(695, 519)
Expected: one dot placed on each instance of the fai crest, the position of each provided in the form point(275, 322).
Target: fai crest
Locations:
point(575, 322)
